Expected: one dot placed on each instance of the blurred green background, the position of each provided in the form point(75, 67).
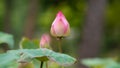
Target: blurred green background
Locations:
point(32, 18)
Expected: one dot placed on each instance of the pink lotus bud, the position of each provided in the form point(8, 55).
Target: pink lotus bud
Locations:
point(60, 26)
point(45, 41)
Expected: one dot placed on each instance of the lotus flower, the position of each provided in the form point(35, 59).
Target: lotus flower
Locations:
point(60, 26)
point(45, 41)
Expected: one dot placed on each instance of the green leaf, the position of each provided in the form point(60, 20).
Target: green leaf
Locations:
point(7, 38)
point(12, 64)
point(101, 63)
point(92, 62)
point(116, 65)
point(42, 54)
point(61, 59)
point(27, 44)
point(7, 59)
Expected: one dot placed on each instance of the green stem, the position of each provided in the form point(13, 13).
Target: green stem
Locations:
point(59, 45)
point(20, 65)
point(41, 65)
point(46, 64)
point(61, 66)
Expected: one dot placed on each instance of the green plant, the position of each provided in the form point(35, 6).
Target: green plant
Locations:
point(101, 63)
point(31, 54)
point(7, 38)
point(27, 55)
